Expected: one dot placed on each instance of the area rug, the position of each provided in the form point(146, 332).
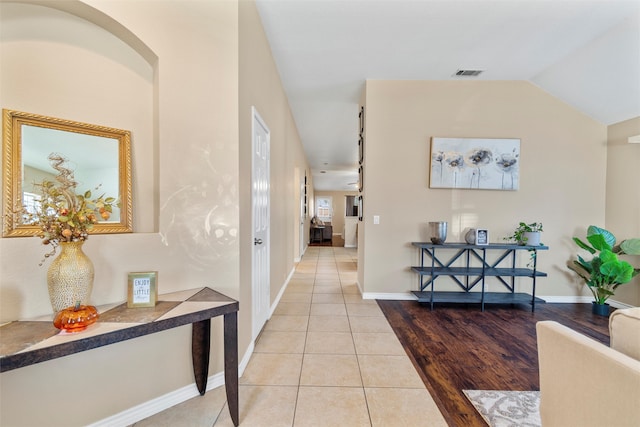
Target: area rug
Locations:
point(507, 408)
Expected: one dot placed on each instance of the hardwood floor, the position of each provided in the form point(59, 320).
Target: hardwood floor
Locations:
point(459, 347)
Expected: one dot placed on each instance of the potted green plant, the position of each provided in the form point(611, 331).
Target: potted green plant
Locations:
point(527, 234)
point(605, 271)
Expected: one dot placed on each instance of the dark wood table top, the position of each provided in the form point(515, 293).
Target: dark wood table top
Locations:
point(26, 342)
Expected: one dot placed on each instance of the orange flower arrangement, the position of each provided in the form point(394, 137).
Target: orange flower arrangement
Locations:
point(63, 215)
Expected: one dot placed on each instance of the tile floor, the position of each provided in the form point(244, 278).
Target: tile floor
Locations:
point(325, 358)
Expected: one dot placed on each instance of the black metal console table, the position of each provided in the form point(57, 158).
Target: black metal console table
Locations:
point(474, 275)
point(26, 342)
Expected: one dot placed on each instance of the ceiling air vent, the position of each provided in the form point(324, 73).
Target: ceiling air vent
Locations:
point(468, 73)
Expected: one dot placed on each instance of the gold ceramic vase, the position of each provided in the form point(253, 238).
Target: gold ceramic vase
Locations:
point(70, 277)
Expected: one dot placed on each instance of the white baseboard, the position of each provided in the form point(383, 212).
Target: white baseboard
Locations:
point(549, 299)
point(299, 258)
point(162, 403)
point(282, 289)
point(389, 296)
point(245, 359)
point(159, 404)
point(581, 299)
point(350, 246)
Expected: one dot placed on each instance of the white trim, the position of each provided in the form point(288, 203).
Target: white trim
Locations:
point(297, 260)
point(389, 296)
point(162, 403)
point(550, 299)
point(282, 289)
point(245, 359)
point(159, 404)
point(350, 246)
point(618, 304)
point(582, 299)
point(563, 299)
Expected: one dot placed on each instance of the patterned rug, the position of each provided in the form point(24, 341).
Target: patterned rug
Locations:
point(507, 408)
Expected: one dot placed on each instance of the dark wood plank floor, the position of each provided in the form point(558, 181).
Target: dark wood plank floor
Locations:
point(459, 347)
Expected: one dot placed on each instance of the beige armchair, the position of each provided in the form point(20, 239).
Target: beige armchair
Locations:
point(585, 383)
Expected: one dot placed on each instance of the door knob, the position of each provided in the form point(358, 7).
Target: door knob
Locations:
point(257, 241)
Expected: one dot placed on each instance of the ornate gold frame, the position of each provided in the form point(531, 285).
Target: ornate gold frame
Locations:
point(12, 122)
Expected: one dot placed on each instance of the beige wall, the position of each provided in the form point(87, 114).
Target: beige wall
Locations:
point(260, 87)
point(563, 163)
point(623, 195)
point(183, 113)
point(180, 95)
point(339, 206)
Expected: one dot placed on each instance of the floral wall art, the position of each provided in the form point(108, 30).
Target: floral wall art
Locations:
point(475, 163)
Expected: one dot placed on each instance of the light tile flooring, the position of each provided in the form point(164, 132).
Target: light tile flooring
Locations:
point(325, 358)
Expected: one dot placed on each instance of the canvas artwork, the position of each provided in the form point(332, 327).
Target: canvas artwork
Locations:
point(475, 163)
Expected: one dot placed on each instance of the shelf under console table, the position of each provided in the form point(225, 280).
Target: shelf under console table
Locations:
point(468, 276)
point(27, 342)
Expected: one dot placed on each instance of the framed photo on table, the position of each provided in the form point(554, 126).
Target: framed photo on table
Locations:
point(143, 289)
point(482, 236)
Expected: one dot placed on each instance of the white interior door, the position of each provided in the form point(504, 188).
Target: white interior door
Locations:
point(260, 205)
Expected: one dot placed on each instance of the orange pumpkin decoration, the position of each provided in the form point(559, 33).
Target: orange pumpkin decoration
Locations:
point(76, 319)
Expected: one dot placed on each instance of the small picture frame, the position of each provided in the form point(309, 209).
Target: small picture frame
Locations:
point(143, 289)
point(482, 236)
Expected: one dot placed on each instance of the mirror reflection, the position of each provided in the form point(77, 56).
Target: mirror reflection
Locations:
point(99, 156)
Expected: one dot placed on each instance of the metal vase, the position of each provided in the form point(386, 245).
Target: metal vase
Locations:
point(438, 232)
point(70, 277)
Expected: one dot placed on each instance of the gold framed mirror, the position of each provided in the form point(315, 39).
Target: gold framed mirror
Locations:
point(99, 155)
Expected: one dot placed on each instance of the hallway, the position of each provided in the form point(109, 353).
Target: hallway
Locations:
point(325, 358)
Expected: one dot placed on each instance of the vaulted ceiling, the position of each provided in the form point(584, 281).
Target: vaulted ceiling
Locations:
point(584, 52)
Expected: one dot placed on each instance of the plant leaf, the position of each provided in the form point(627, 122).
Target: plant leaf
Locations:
point(584, 246)
point(599, 242)
point(631, 246)
point(615, 270)
point(608, 236)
